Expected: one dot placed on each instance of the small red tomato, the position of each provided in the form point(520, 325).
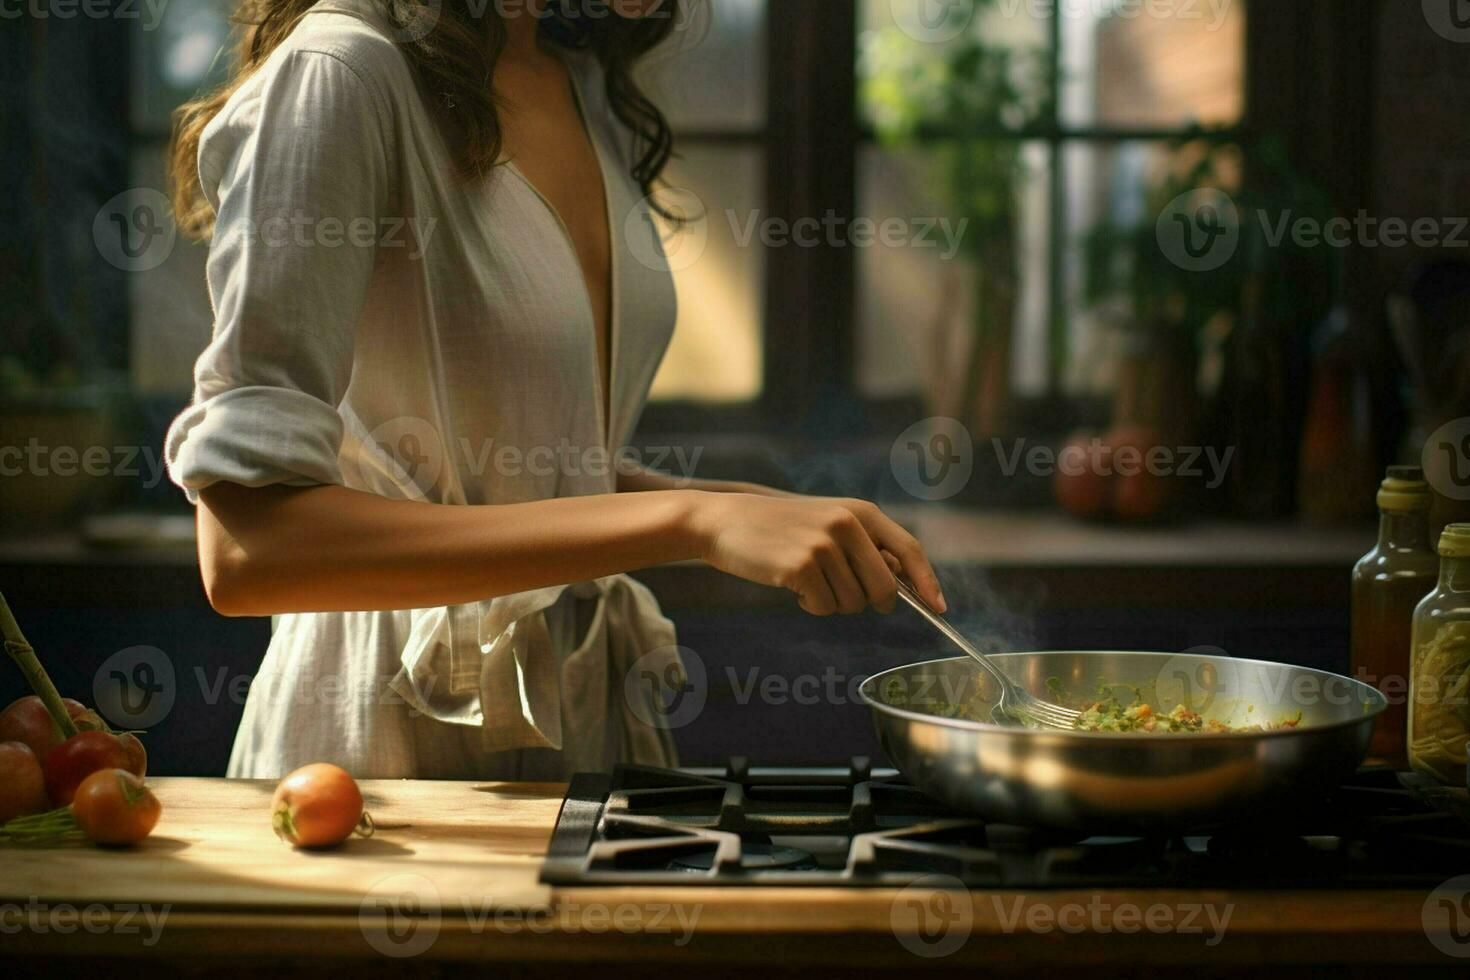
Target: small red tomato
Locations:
point(318, 805)
point(77, 758)
point(112, 806)
point(22, 785)
point(1139, 493)
point(137, 755)
point(1141, 497)
point(1083, 476)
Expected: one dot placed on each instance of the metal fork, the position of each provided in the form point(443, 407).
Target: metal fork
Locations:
point(1016, 704)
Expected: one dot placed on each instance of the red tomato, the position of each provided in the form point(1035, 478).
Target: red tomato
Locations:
point(112, 806)
point(318, 805)
point(137, 755)
point(77, 758)
point(1084, 475)
point(27, 720)
point(1141, 497)
point(1139, 494)
point(22, 785)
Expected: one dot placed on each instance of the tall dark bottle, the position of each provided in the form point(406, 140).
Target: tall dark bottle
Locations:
point(1388, 582)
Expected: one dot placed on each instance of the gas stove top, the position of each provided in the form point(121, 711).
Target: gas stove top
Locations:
point(858, 826)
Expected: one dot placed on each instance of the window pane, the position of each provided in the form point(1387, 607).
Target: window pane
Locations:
point(167, 296)
point(1106, 194)
point(953, 64)
point(938, 22)
point(710, 76)
point(1113, 197)
point(1153, 64)
point(720, 276)
point(189, 49)
point(917, 288)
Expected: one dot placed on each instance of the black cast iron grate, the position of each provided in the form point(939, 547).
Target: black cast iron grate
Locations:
point(859, 826)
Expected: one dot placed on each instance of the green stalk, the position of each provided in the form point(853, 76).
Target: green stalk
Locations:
point(25, 658)
point(42, 829)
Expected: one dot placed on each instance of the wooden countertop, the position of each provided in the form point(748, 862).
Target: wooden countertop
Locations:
point(458, 862)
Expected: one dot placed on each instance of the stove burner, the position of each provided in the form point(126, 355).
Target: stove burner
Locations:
point(864, 827)
point(753, 857)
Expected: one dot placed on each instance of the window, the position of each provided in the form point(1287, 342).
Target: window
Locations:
point(1098, 87)
point(711, 82)
point(1102, 90)
point(775, 122)
point(189, 50)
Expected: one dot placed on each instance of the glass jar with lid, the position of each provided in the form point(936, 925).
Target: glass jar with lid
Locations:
point(1388, 583)
point(1439, 674)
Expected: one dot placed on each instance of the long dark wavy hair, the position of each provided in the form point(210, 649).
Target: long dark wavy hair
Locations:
point(452, 46)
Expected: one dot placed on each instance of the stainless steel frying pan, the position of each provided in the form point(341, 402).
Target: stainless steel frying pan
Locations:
point(1124, 783)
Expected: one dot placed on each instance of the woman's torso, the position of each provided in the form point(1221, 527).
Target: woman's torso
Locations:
point(474, 380)
point(476, 372)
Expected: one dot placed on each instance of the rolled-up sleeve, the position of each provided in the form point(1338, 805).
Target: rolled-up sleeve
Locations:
point(300, 176)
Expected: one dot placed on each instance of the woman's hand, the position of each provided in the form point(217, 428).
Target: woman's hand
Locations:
point(829, 551)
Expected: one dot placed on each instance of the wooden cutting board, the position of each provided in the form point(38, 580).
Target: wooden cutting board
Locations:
point(214, 847)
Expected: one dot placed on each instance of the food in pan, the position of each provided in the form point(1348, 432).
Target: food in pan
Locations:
point(1108, 712)
point(1111, 715)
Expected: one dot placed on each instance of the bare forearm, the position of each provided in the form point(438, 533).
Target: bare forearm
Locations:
point(275, 550)
point(323, 549)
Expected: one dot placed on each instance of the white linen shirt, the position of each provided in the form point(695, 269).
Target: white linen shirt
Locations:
point(385, 325)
